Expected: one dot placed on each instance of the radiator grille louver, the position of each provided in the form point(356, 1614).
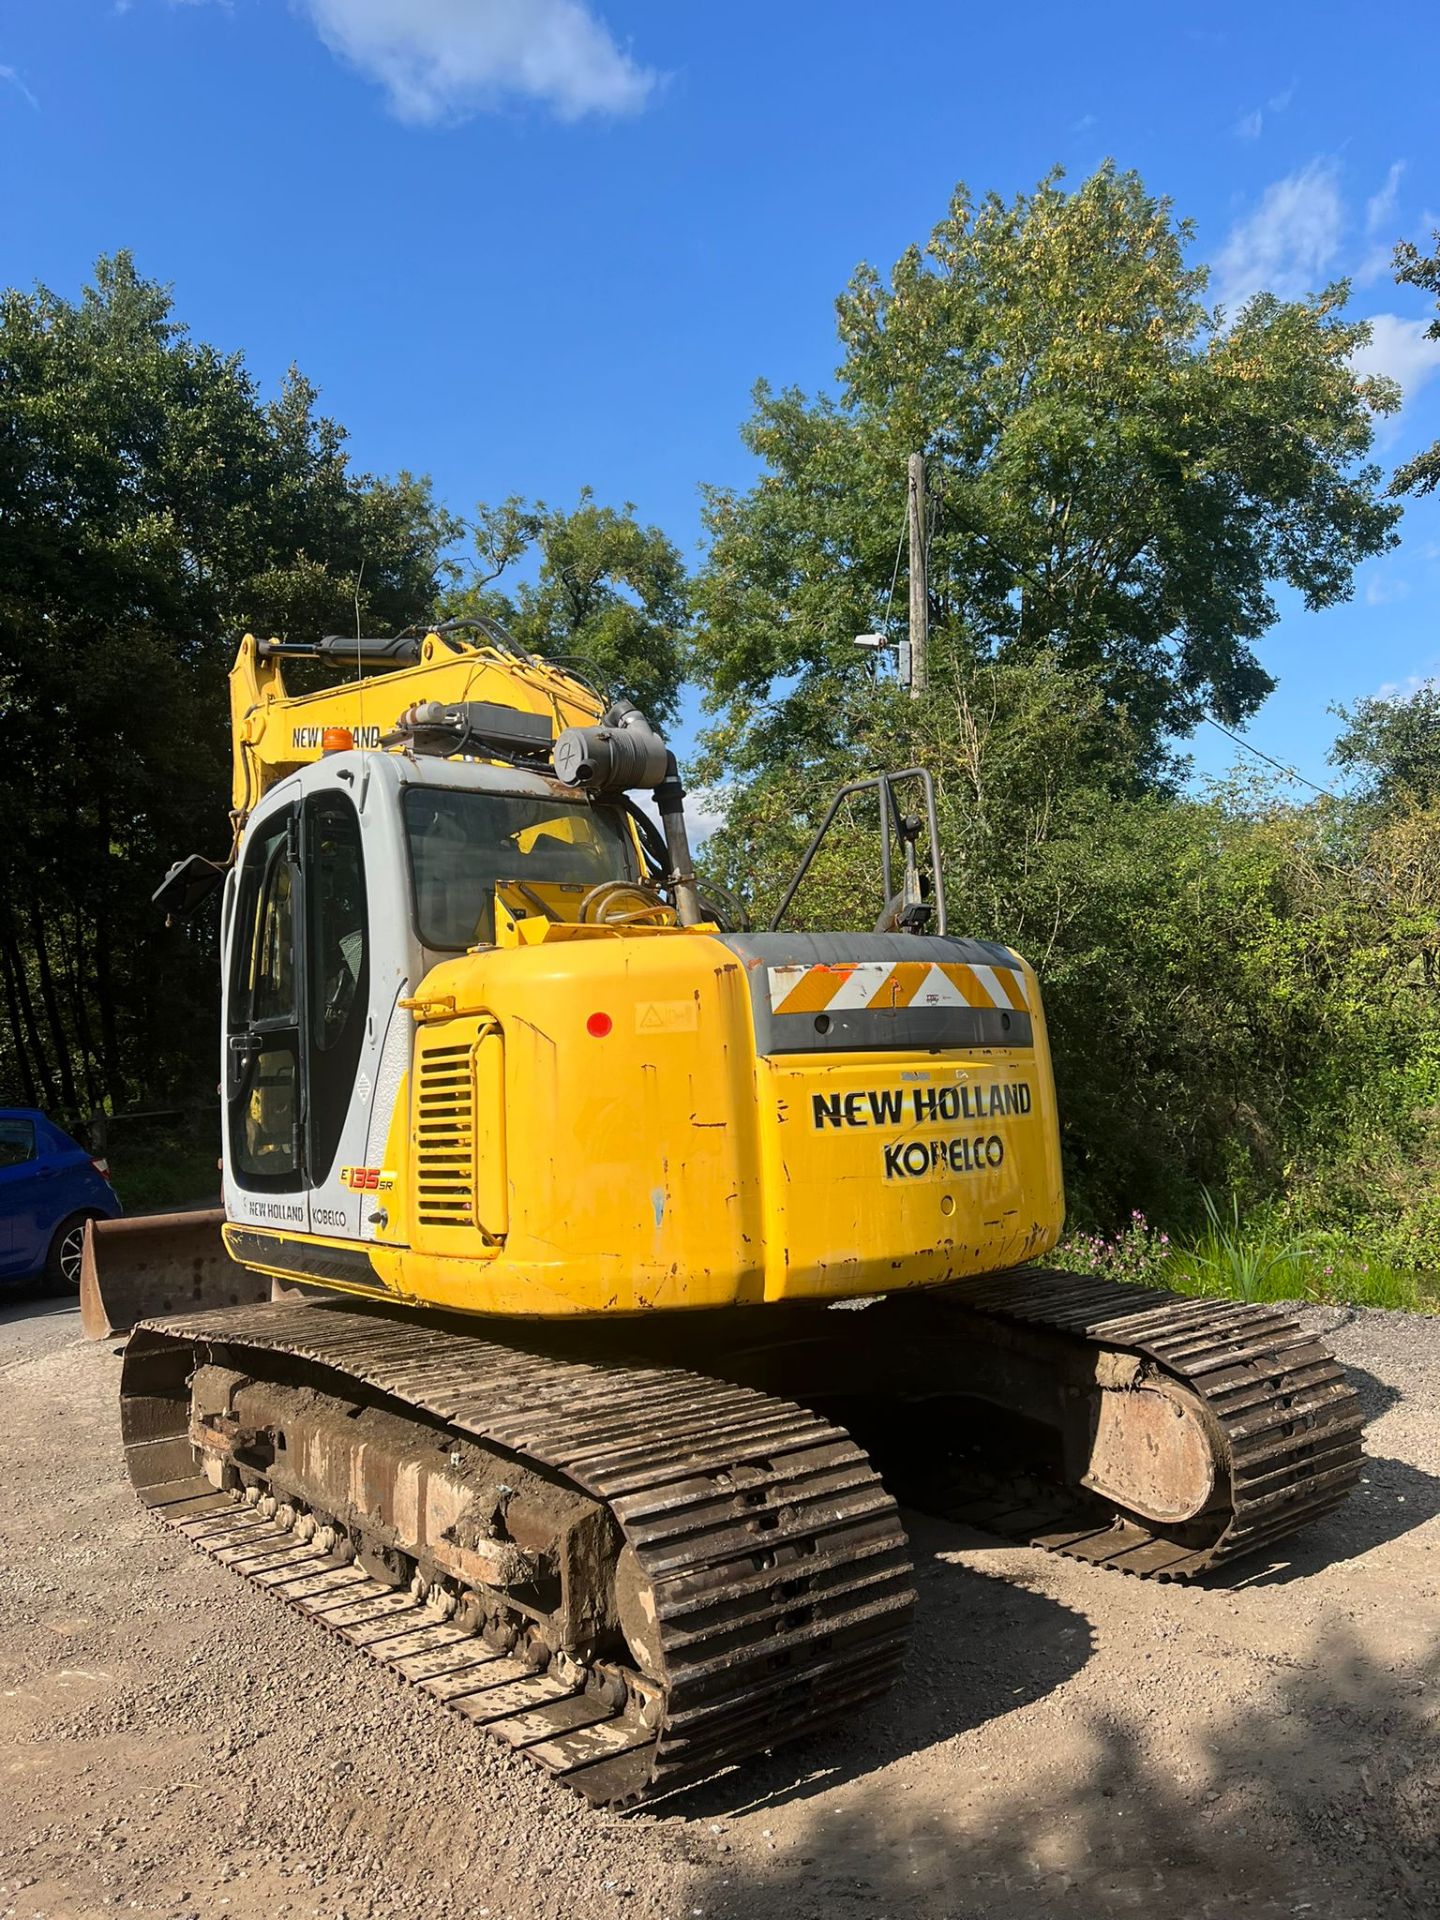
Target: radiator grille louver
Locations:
point(445, 1138)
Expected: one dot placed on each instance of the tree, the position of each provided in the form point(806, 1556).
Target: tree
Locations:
point(153, 505)
point(1415, 269)
point(608, 597)
point(1394, 745)
point(1117, 474)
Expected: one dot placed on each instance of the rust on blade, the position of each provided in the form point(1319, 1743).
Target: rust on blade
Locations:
point(156, 1263)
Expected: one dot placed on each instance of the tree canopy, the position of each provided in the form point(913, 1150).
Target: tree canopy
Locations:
point(1118, 474)
point(1415, 269)
point(1393, 745)
point(153, 505)
point(1239, 988)
point(608, 595)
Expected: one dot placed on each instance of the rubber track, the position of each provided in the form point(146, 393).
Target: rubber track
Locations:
point(783, 1605)
point(1286, 1419)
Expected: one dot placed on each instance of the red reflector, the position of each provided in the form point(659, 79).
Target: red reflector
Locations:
point(599, 1024)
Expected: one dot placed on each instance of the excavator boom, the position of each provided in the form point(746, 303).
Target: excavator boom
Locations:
point(274, 732)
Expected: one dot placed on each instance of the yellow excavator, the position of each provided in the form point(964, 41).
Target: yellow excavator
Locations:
point(597, 1274)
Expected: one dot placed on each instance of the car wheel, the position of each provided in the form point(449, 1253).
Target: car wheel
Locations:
point(62, 1263)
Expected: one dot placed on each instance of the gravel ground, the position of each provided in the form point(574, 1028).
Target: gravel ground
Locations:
point(1064, 1742)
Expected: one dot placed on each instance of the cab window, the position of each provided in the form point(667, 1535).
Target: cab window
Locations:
point(463, 842)
point(263, 1068)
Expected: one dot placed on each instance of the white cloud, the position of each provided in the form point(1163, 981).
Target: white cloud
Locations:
point(443, 59)
point(1251, 125)
point(1380, 218)
point(1383, 591)
point(16, 79)
point(1405, 689)
point(1400, 350)
point(1289, 243)
point(1083, 124)
point(1380, 207)
point(705, 810)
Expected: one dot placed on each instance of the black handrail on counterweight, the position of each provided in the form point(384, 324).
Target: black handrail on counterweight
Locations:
point(884, 785)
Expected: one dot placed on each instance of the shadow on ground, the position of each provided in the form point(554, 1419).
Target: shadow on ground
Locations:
point(1319, 1795)
point(1376, 1396)
point(32, 1300)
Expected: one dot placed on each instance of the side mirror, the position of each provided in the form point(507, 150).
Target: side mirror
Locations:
point(187, 886)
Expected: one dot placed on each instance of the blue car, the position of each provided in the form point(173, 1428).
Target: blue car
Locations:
point(49, 1187)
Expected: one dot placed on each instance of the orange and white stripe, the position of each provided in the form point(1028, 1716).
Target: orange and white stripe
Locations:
point(878, 985)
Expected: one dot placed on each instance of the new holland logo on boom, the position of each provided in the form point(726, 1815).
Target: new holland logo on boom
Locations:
point(311, 739)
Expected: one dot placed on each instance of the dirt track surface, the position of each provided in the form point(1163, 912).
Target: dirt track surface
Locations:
point(1064, 1742)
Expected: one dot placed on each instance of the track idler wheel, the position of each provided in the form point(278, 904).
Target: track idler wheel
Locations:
point(635, 1608)
point(1153, 1450)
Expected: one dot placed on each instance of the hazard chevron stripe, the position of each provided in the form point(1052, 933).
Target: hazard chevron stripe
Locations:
point(877, 985)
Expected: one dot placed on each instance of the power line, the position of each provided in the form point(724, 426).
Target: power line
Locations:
point(1261, 754)
point(895, 571)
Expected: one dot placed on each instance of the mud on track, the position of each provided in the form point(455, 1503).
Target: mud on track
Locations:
point(1063, 1743)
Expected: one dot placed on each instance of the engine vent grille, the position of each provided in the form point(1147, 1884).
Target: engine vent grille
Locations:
point(445, 1138)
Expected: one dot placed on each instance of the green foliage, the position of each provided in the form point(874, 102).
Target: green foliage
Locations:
point(1240, 991)
point(154, 505)
point(1415, 269)
point(1228, 1260)
point(1139, 1253)
point(155, 1171)
point(1115, 481)
point(1394, 746)
point(1256, 1270)
point(609, 596)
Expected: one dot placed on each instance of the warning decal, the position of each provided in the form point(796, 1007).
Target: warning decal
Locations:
point(879, 984)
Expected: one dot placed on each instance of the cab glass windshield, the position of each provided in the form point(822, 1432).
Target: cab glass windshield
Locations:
point(462, 843)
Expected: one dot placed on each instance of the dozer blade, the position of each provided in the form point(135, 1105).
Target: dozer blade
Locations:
point(159, 1263)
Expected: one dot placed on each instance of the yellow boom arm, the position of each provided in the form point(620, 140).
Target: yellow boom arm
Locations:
point(274, 732)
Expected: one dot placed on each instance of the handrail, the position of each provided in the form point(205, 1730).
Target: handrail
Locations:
point(884, 786)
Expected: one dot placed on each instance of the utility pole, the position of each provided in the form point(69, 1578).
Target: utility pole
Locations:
point(919, 581)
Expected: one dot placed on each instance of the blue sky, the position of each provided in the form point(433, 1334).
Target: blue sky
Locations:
point(524, 245)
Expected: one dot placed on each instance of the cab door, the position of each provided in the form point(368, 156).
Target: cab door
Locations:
point(297, 1016)
point(264, 1078)
point(338, 1016)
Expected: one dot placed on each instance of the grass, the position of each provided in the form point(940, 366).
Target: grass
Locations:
point(1330, 1277)
point(154, 1171)
point(1240, 1265)
point(1235, 1261)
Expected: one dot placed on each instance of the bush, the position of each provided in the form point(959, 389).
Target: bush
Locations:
point(1139, 1252)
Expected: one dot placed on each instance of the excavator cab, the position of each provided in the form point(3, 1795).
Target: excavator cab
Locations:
point(483, 1048)
point(358, 875)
